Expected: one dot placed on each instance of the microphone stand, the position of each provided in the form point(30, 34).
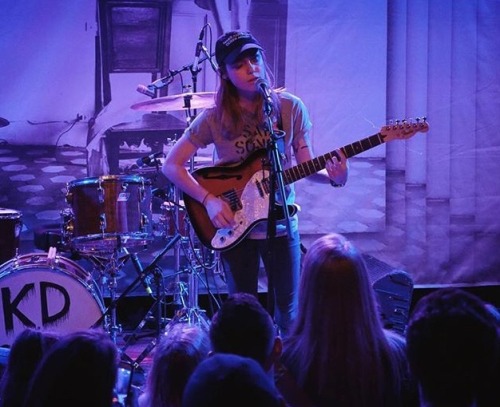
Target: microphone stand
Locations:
point(213, 64)
point(276, 173)
point(276, 182)
point(168, 79)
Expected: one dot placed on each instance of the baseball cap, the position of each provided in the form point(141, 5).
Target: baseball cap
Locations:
point(232, 44)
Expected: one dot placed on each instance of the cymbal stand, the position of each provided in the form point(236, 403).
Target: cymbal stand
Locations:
point(110, 266)
point(191, 313)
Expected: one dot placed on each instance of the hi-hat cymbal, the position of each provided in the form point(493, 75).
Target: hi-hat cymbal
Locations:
point(182, 101)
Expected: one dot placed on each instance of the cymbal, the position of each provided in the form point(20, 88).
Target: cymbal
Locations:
point(3, 122)
point(182, 101)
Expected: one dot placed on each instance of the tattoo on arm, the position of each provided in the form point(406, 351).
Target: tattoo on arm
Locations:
point(300, 147)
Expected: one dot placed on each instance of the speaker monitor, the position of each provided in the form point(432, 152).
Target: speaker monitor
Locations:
point(394, 290)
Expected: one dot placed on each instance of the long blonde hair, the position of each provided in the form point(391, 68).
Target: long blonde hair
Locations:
point(341, 352)
point(177, 355)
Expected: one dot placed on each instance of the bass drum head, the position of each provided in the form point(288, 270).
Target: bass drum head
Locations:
point(56, 295)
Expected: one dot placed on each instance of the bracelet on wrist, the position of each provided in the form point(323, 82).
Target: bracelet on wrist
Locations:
point(205, 198)
point(335, 185)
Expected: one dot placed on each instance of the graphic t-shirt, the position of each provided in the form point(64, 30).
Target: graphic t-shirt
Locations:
point(229, 149)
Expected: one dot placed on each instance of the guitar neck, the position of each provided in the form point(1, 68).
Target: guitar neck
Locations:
point(316, 164)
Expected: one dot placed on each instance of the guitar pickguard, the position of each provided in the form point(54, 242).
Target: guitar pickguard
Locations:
point(254, 209)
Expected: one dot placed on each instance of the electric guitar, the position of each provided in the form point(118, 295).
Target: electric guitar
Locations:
point(246, 186)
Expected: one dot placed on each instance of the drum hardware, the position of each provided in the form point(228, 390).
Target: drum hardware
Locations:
point(109, 268)
point(10, 231)
point(190, 313)
point(188, 310)
point(153, 269)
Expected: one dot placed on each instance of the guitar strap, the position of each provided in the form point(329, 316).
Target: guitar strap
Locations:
point(279, 124)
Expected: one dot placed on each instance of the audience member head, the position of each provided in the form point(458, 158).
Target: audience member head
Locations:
point(337, 349)
point(242, 326)
point(225, 380)
point(80, 370)
point(453, 349)
point(178, 353)
point(25, 353)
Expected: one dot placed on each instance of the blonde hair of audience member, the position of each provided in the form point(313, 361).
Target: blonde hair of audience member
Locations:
point(80, 370)
point(337, 350)
point(179, 352)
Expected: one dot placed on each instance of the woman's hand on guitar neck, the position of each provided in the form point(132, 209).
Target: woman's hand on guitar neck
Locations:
point(219, 212)
point(338, 169)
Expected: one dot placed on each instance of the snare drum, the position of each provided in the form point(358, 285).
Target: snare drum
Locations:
point(108, 212)
point(54, 294)
point(10, 230)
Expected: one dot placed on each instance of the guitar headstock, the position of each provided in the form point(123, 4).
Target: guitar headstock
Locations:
point(404, 129)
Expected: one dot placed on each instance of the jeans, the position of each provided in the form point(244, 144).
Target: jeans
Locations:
point(282, 265)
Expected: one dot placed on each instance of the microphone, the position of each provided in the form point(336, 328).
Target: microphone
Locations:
point(145, 90)
point(140, 271)
point(150, 89)
point(197, 52)
point(263, 87)
point(141, 162)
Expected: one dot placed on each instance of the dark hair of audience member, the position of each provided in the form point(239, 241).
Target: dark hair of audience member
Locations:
point(178, 353)
point(242, 326)
point(453, 349)
point(80, 370)
point(25, 353)
point(227, 380)
point(337, 350)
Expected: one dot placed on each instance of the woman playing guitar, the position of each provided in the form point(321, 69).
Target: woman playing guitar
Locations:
point(238, 128)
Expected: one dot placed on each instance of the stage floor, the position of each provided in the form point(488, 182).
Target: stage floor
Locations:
point(404, 232)
point(392, 223)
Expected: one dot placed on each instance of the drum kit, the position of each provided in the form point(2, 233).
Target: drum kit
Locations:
point(108, 221)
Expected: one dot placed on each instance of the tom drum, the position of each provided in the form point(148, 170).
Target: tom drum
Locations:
point(108, 212)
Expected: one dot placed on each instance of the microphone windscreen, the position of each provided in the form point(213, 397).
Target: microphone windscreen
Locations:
point(145, 91)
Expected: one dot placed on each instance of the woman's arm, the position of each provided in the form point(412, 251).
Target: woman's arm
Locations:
point(174, 168)
point(337, 169)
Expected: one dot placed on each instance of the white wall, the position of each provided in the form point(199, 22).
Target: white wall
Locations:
point(46, 69)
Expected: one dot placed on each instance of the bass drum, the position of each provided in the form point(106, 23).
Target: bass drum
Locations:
point(54, 294)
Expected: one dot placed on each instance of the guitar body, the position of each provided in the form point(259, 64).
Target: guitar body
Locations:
point(245, 187)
